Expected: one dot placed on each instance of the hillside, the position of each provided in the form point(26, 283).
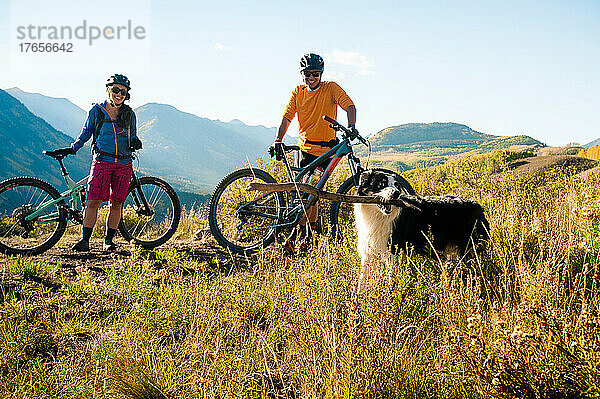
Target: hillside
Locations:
point(542, 165)
point(24, 136)
point(60, 113)
point(438, 134)
point(264, 135)
point(428, 144)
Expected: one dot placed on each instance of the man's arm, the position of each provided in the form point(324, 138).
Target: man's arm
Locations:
point(351, 111)
point(342, 99)
point(283, 127)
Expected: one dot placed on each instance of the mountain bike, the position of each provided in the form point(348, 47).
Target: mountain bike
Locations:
point(34, 215)
point(245, 221)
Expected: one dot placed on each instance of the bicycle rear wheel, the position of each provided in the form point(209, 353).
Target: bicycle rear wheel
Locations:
point(19, 198)
point(155, 224)
point(241, 220)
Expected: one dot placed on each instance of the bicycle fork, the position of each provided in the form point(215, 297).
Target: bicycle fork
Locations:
point(139, 199)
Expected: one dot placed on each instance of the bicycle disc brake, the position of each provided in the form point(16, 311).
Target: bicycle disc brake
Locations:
point(20, 214)
point(240, 213)
point(145, 211)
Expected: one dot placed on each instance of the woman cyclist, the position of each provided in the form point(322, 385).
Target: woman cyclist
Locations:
point(112, 124)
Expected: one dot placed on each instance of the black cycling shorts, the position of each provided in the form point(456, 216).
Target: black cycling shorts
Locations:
point(306, 159)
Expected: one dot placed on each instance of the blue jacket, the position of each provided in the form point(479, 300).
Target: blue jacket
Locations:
point(112, 138)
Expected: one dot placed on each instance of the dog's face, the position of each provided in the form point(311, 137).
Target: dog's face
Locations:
point(381, 183)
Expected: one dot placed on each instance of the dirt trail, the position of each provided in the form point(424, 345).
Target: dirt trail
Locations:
point(96, 260)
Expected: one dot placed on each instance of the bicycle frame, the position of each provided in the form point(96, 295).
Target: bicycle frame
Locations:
point(297, 206)
point(75, 189)
point(337, 152)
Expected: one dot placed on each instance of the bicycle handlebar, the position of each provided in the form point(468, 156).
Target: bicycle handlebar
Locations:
point(286, 148)
point(335, 125)
point(332, 121)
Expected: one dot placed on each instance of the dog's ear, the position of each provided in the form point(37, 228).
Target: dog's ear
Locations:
point(362, 179)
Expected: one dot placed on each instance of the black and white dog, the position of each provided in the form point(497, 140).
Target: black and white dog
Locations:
point(425, 223)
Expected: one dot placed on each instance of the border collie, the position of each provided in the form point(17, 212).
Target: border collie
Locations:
point(425, 223)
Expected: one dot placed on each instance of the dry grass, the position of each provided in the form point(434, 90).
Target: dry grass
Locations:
point(519, 322)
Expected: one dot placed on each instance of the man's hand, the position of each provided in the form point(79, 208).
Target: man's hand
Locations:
point(277, 150)
point(353, 132)
point(64, 151)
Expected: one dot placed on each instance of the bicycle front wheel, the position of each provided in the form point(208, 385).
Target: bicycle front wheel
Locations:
point(29, 225)
point(151, 213)
point(241, 220)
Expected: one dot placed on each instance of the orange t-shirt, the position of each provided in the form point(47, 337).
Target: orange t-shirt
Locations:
point(311, 106)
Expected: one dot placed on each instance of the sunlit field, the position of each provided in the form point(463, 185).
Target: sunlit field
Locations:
point(191, 320)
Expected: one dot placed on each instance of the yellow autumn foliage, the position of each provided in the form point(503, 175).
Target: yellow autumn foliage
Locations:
point(591, 153)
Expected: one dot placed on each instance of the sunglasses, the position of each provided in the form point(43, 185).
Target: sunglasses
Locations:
point(316, 74)
point(116, 90)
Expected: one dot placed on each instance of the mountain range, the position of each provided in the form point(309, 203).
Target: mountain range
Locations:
point(190, 152)
point(60, 113)
point(24, 136)
point(194, 153)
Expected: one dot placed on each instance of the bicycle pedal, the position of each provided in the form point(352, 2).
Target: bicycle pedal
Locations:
point(76, 216)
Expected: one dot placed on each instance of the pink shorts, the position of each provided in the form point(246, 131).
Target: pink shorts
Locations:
point(109, 180)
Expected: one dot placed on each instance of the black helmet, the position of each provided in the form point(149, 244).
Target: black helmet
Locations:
point(118, 79)
point(312, 61)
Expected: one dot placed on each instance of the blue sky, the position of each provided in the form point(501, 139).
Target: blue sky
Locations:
point(501, 67)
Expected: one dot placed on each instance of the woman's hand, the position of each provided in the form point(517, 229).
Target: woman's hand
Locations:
point(136, 144)
point(64, 151)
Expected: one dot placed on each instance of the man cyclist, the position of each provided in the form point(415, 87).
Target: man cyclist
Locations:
point(311, 101)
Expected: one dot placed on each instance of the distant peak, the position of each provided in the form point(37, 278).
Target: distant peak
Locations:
point(17, 90)
point(157, 105)
point(236, 122)
point(164, 108)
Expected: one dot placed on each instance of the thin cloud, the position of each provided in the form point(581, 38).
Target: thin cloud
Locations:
point(220, 47)
point(366, 72)
point(351, 58)
point(334, 75)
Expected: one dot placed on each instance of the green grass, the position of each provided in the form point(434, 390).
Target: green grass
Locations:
point(30, 267)
point(519, 322)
